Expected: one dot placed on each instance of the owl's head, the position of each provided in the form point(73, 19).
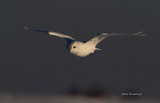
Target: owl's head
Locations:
point(75, 46)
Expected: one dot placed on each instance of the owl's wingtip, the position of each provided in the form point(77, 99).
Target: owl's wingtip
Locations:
point(140, 34)
point(26, 28)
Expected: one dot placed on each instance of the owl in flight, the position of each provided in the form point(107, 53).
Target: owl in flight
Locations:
point(83, 49)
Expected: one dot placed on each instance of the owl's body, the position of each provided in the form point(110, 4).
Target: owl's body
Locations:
point(83, 49)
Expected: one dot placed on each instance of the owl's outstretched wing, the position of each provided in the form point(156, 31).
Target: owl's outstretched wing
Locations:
point(66, 37)
point(101, 36)
point(98, 38)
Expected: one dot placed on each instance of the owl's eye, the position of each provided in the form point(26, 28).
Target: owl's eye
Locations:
point(74, 47)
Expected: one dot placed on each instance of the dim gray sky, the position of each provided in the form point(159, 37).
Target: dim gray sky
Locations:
point(39, 63)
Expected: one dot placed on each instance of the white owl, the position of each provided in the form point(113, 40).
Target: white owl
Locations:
point(83, 49)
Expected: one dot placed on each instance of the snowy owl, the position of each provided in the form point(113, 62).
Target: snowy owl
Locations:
point(83, 49)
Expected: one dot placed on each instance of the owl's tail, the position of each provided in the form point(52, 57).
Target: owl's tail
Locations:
point(98, 49)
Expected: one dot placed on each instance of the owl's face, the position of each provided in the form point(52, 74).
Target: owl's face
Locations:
point(81, 49)
point(75, 47)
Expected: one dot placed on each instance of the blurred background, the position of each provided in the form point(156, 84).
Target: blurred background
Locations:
point(37, 68)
